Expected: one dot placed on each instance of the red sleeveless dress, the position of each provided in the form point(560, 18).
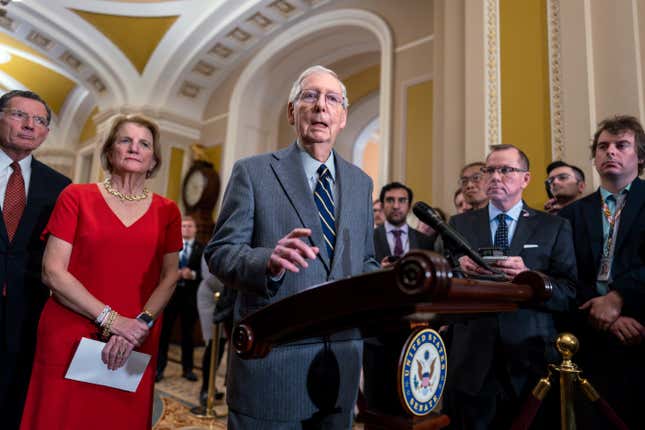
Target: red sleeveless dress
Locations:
point(121, 266)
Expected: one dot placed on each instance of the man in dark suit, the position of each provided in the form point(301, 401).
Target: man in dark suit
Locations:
point(183, 303)
point(608, 228)
point(292, 219)
point(395, 237)
point(496, 359)
point(392, 240)
point(28, 192)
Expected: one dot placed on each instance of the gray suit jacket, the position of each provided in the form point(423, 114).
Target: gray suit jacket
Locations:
point(267, 197)
point(418, 240)
point(527, 336)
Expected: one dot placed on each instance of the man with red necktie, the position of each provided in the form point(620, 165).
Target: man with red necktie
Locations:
point(28, 191)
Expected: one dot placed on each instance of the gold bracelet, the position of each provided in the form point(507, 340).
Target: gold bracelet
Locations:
point(107, 329)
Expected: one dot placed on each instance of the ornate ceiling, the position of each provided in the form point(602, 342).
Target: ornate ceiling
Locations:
point(163, 55)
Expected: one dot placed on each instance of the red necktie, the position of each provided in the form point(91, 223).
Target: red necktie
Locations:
point(14, 200)
point(398, 244)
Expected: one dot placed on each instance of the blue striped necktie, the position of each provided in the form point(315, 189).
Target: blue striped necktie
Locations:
point(325, 203)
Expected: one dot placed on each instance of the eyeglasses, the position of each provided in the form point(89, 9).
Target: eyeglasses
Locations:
point(475, 178)
point(18, 115)
point(333, 100)
point(503, 170)
point(561, 177)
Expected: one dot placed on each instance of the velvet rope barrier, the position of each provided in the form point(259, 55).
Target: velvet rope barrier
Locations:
point(602, 405)
point(532, 404)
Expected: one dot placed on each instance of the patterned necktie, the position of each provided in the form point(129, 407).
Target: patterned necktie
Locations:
point(501, 234)
point(325, 203)
point(398, 244)
point(183, 256)
point(14, 200)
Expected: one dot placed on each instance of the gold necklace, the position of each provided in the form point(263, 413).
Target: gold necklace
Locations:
point(118, 194)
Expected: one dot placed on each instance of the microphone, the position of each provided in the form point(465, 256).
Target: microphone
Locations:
point(428, 215)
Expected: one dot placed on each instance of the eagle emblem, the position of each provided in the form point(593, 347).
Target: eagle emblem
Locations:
point(425, 373)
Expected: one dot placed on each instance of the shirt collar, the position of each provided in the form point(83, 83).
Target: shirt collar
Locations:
point(25, 163)
point(389, 227)
point(606, 193)
point(513, 213)
point(311, 165)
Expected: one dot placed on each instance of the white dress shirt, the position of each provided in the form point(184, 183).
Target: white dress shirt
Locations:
point(405, 236)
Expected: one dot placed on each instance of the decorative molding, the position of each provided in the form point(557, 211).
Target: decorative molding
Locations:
point(493, 87)
point(555, 79)
point(216, 118)
point(639, 61)
point(414, 43)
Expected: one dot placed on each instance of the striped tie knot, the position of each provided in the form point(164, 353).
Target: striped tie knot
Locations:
point(325, 203)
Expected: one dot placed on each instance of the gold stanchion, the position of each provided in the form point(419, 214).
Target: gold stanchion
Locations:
point(567, 345)
point(209, 411)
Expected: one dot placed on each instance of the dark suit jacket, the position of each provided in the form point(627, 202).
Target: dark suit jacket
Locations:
point(195, 264)
point(20, 271)
point(266, 198)
point(628, 269)
point(527, 335)
point(418, 240)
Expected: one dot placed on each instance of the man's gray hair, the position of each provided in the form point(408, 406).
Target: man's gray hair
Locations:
point(297, 85)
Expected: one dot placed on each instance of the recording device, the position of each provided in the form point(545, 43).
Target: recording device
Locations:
point(548, 189)
point(451, 237)
point(392, 258)
point(492, 254)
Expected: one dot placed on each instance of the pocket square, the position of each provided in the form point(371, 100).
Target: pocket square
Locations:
point(530, 245)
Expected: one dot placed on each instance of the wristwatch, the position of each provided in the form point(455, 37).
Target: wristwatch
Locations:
point(146, 318)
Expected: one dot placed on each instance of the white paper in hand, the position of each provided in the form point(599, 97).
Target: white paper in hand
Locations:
point(87, 366)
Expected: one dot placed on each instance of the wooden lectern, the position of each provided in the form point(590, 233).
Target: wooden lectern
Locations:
point(412, 292)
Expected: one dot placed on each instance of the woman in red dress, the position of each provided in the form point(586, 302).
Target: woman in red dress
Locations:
point(111, 262)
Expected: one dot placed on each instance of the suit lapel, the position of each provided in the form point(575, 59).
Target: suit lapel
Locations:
point(289, 171)
point(635, 200)
point(342, 204)
point(591, 209)
point(482, 224)
point(523, 231)
point(380, 241)
point(413, 239)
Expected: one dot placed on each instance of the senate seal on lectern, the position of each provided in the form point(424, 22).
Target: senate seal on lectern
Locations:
point(422, 371)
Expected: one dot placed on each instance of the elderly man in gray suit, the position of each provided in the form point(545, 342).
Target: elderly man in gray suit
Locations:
point(289, 220)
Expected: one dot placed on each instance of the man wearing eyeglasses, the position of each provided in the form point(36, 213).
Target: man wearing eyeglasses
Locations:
point(471, 181)
point(292, 219)
point(28, 191)
point(565, 184)
point(609, 227)
point(495, 360)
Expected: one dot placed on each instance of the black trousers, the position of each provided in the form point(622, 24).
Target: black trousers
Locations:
point(183, 304)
